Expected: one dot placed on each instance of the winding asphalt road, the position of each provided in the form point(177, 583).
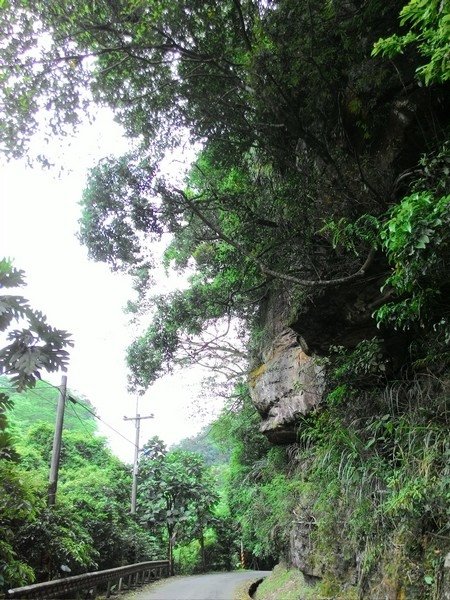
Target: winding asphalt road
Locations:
point(215, 586)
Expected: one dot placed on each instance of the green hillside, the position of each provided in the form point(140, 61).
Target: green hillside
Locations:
point(203, 444)
point(39, 404)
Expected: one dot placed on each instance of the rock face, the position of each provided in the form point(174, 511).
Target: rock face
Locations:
point(301, 549)
point(303, 554)
point(446, 578)
point(287, 385)
point(340, 316)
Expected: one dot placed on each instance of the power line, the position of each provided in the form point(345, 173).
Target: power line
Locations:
point(52, 401)
point(81, 421)
point(41, 384)
point(73, 409)
point(12, 389)
point(74, 401)
point(101, 420)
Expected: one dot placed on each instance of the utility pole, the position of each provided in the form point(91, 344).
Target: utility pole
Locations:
point(56, 452)
point(137, 419)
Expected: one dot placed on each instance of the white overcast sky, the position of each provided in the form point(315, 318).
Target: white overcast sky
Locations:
point(38, 221)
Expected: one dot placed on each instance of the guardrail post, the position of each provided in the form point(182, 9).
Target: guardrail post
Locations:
point(120, 584)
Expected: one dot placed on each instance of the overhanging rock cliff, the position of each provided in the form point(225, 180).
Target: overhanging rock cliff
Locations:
point(286, 386)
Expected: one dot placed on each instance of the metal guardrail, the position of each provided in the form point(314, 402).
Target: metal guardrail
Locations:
point(137, 574)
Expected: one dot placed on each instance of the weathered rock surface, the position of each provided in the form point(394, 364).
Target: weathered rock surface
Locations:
point(304, 555)
point(339, 316)
point(446, 578)
point(287, 385)
point(301, 547)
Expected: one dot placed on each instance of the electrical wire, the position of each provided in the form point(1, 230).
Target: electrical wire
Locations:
point(52, 402)
point(80, 419)
point(101, 420)
point(74, 401)
point(12, 389)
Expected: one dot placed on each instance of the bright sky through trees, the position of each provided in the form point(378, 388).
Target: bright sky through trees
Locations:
point(38, 223)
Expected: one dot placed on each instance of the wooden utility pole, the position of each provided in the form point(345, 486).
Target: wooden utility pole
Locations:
point(56, 452)
point(137, 419)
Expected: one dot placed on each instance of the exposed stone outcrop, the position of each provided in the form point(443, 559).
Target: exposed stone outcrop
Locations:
point(304, 556)
point(446, 578)
point(296, 327)
point(341, 315)
point(301, 547)
point(287, 385)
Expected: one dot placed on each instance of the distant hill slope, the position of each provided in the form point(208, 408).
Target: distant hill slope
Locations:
point(39, 404)
point(203, 445)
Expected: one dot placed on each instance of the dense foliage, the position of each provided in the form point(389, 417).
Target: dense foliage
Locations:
point(291, 131)
point(90, 527)
point(321, 175)
point(257, 489)
point(177, 495)
point(203, 444)
point(29, 350)
point(429, 24)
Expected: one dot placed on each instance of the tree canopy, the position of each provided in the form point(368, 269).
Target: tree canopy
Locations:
point(176, 492)
point(321, 170)
point(289, 108)
point(37, 345)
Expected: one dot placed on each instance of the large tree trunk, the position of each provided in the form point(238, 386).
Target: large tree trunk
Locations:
point(170, 550)
point(202, 551)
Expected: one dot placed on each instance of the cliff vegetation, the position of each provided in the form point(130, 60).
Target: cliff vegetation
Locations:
point(313, 223)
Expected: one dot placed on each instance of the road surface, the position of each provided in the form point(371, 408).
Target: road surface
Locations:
point(215, 586)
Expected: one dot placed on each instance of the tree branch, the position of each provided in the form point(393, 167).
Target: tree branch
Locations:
point(247, 41)
point(264, 268)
